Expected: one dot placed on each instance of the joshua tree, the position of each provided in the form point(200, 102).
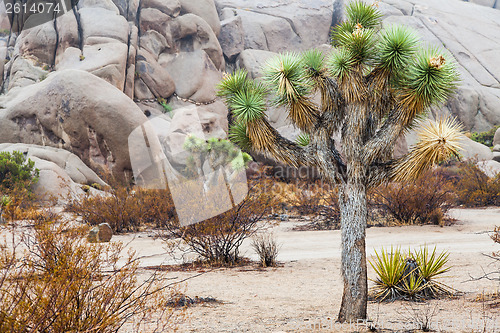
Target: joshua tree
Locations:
point(373, 87)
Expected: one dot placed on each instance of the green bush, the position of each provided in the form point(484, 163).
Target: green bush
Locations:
point(486, 138)
point(16, 173)
point(411, 276)
point(166, 107)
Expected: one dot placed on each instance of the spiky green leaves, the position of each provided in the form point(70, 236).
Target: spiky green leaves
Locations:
point(246, 98)
point(357, 33)
point(286, 75)
point(247, 101)
point(233, 83)
point(438, 141)
point(247, 105)
point(411, 275)
point(314, 63)
point(289, 78)
point(343, 66)
point(389, 269)
point(431, 79)
point(360, 44)
point(238, 136)
point(303, 139)
point(358, 14)
point(395, 49)
point(340, 64)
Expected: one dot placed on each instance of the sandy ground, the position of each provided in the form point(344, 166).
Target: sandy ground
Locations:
point(304, 294)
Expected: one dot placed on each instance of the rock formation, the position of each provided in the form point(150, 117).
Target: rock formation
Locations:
point(85, 80)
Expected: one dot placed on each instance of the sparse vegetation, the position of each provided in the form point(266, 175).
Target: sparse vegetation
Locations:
point(217, 240)
point(266, 247)
point(52, 280)
point(486, 138)
point(126, 210)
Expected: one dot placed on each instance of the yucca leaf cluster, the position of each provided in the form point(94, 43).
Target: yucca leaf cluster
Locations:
point(412, 275)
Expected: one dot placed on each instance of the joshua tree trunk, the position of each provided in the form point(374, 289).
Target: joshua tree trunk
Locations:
point(353, 214)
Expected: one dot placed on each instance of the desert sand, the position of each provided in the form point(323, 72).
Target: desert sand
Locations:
point(304, 294)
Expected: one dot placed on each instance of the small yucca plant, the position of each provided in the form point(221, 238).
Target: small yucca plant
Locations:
point(411, 276)
point(431, 267)
point(389, 269)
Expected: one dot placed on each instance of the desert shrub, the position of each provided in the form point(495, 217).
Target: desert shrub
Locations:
point(124, 209)
point(473, 188)
point(16, 173)
point(496, 235)
point(303, 196)
point(486, 138)
point(217, 240)
point(17, 177)
point(52, 280)
point(422, 201)
point(266, 247)
point(413, 275)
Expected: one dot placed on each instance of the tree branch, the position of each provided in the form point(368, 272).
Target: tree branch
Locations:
point(381, 145)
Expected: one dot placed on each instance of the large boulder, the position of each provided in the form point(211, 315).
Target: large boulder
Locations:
point(475, 150)
point(283, 25)
point(204, 9)
point(231, 37)
point(194, 74)
point(157, 79)
point(490, 168)
point(62, 173)
point(120, 41)
point(77, 111)
point(496, 138)
point(253, 61)
point(191, 33)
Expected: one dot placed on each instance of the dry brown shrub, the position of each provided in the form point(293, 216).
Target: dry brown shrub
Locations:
point(423, 201)
point(52, 280)
point(126, 210)
point(267, 249)
point(496, 235)
point(473, 188)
